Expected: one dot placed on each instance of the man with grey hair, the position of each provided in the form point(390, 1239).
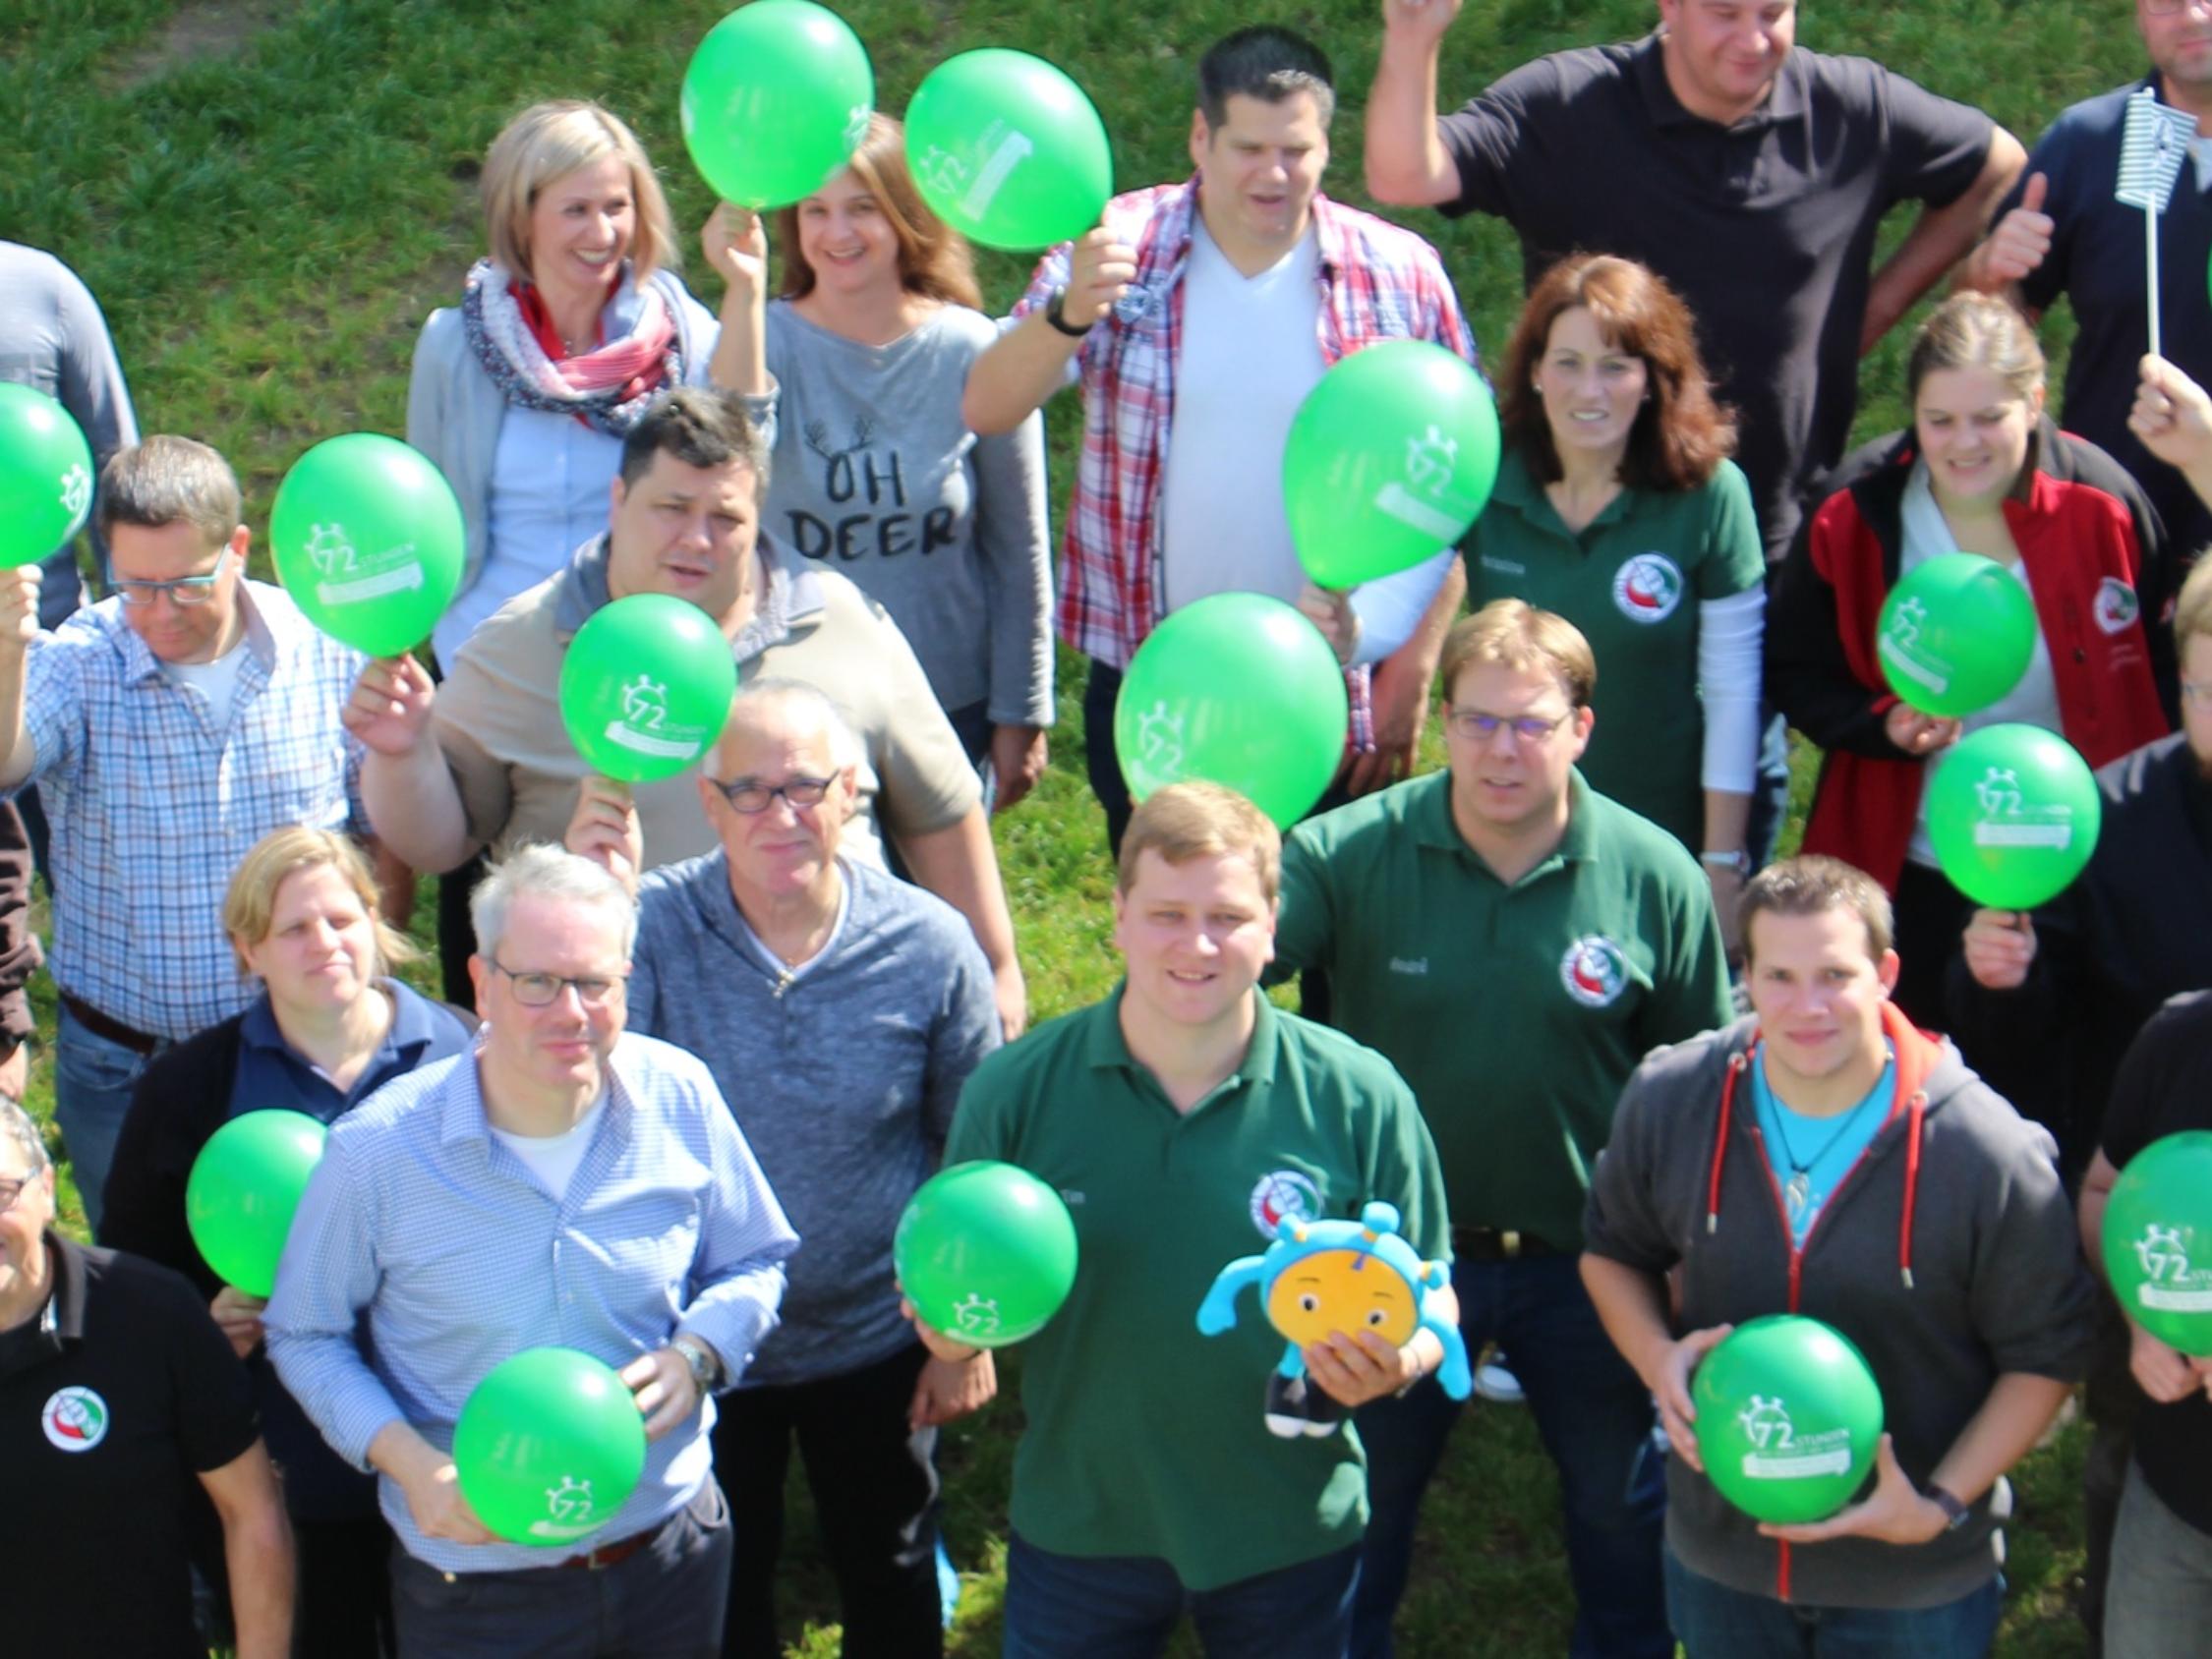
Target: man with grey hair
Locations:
point(842, 1010)
point(567, 1183)
point(486, 761)
point(169, 727)
point(118, 1396)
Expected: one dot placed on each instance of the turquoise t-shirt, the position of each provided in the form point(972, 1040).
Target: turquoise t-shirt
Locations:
point(1833, 1143)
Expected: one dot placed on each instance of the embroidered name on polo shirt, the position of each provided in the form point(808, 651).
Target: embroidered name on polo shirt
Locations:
point(1408, 964)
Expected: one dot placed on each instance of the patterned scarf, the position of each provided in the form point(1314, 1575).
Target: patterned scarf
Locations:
point(606, 389)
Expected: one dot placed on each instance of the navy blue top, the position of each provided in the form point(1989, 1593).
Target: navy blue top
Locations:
point(2096, 263)
point(274, 1076)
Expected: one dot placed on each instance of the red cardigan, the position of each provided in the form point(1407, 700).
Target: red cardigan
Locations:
point(2096, 564)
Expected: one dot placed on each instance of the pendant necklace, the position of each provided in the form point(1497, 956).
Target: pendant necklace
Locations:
point(1797, 1191)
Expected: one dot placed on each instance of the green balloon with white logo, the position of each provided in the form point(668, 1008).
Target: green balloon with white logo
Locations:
point(1789, 1418)
point(1956, 633)
point(2157, 1240)
point(645, 688)
point(549, 1447)
point(45, 475)
point(2014, 813)
point(368, 538)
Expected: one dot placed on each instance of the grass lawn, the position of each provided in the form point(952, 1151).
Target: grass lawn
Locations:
point(268, 195)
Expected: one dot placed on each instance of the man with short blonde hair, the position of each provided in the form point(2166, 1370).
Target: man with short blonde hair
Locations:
point(1196, 819)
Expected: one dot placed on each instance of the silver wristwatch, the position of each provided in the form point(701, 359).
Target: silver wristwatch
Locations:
point(705, 1363)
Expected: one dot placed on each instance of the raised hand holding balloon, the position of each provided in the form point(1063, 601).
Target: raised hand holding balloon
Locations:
point(1008, 150)
point(45, 475)
point(1241, 690)
point(2014, 813)
point(243, 1190)
point(549, 1447)
point(645, 688)
point(1390, 457)
point(775, 99)
point(368, 538)
point(1320, 1279)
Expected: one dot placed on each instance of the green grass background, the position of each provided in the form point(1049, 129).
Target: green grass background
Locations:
point(268, 196)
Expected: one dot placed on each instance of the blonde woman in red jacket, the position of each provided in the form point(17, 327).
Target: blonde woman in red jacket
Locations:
point(1982, 471)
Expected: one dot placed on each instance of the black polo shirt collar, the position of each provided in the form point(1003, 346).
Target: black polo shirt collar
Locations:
point(1786, 102)
point(60, 1322)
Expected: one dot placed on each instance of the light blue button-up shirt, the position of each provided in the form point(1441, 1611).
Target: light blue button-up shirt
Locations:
point(418, 1219)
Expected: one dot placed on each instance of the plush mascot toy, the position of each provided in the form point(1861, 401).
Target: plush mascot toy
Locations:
point(1319, 1278)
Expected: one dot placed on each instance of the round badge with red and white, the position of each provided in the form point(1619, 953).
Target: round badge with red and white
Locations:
point(1648, 587)
point(75, 1419)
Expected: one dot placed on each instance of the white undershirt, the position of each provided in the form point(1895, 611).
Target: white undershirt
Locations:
point(217, 681)
point(1250, 351)
point(553, 1160)
point(2033, 702)
point(776, 964)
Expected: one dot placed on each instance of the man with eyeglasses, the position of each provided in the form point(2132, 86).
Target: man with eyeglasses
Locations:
point(2061, 234)
point(119, 1398)
point(840, 1010)
point(567, 1183)
point(168, 727)
point(485, 761)
point(1515, 942)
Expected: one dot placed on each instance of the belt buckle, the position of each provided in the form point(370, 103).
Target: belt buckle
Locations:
point(1509, 1243)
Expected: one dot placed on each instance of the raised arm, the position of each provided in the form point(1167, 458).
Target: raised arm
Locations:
point(414, 804)
point(1406, 164)
point(19, 624)
point(1031, 361)
point(736, 245)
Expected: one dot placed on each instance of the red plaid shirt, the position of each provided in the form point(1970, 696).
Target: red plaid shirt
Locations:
point(1378, 282)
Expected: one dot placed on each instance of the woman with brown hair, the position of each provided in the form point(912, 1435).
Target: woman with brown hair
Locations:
point(1981, 471)
point(875, 473)
point(1617, 507)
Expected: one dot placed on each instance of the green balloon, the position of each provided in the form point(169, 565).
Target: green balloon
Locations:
point(1788, 1418)
point(646, 687)
point(243, 1189)
point(368, 539)
point(549, 1447)
point(986, 1253)
point(1008, 150)
point(1389, 459)
point(2157, 1240)
point(1239, 689)
point(1956, 633)
point(2014, 813)
point(46, 475)
point(775, 100)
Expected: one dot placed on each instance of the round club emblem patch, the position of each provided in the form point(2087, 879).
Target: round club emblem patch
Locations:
point(1280, 1193)
point(1594, 971)
point(75, 1419)
point(1648, 587)
point(2117, 606)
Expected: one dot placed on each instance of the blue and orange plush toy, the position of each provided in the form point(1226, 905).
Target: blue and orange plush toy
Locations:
point(1319, 1278)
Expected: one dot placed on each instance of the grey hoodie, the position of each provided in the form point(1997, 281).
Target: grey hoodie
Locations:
point(1948, 1254)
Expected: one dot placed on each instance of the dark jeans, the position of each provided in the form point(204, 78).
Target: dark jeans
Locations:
point(1715, 1622)
point(1770, 790)
point(343, 1608)
point(1595, 1420)
point(1125, 1607)
point(1100, 760)
point(1930, 915)
point(456, 934)
point(665, 1602)
point(875, 1500)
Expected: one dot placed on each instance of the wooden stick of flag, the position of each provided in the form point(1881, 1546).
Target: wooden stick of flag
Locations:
point(2153, 144)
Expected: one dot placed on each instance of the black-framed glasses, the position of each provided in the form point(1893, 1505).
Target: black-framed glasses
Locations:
point(1480, 727)
point(749, 795)
point(185, 590)
point(542, 991)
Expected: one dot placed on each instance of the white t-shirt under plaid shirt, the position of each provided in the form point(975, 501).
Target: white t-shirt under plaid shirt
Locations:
point(153, 805)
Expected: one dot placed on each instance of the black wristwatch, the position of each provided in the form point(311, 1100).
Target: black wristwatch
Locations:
point(1056, 314)
point(1956, 1513)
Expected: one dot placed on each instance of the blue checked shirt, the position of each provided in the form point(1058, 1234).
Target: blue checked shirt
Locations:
point(416, 1218)
point(152, 807)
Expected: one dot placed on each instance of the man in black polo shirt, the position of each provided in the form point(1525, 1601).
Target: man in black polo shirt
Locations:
point(2062, 235)
point(1751, 174)
point(2159, 1601)
point(116, 1393)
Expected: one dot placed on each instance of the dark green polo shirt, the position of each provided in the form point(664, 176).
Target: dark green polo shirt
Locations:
point(1144, 1438)
point(1516, 1012)
point(1631, 580)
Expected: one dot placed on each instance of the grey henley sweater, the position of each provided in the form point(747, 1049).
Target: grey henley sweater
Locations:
point(842, 1077)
